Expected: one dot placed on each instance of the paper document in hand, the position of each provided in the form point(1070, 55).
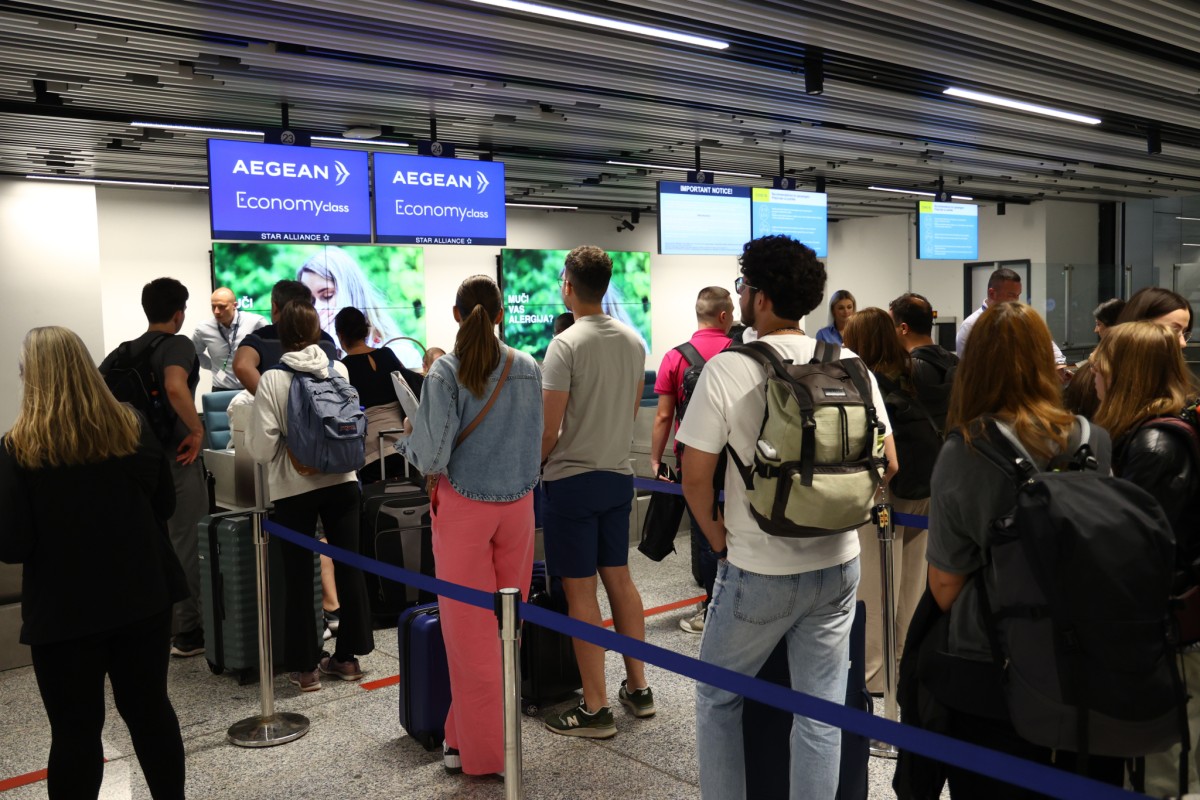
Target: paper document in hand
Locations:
point(404, 393)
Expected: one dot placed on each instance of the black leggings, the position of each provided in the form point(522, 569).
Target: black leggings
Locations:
point(70, 677)
point(338, 508)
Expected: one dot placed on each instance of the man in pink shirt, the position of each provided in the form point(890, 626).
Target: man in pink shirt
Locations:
point(714, 317)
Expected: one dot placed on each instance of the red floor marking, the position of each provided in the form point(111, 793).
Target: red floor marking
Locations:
point(608, 623)
point(22, 780)
point(381, 683)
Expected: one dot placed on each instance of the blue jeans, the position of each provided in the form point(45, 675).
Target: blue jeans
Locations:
point(748, 616)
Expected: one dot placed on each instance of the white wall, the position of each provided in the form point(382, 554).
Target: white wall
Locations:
point(872, 258)
point(49, 272)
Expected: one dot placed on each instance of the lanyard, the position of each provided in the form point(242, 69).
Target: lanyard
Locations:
point(232, 340)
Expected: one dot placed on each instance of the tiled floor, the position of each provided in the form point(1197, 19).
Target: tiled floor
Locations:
point(356, 748)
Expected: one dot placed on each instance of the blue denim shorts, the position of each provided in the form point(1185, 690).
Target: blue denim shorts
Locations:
point(586, 523)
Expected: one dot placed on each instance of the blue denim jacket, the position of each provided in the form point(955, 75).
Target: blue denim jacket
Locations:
point(500, 461)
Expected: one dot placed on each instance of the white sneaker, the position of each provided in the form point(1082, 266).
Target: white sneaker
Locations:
point(694, 623)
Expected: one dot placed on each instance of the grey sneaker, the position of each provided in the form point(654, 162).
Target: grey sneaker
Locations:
point(640, 702)
point(578, 722)
point(694, 623)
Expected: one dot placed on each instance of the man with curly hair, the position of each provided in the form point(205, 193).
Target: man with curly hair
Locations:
point(768, 588)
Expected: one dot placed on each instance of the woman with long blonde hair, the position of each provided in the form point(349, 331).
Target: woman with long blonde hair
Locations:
point(1006, 386)
point(1146, 397)
point(100, 576)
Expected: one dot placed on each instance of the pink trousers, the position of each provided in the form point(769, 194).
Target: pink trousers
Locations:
point(487, 546)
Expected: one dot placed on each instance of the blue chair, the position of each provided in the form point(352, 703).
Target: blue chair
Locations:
point(214, 411)
point(649, 398)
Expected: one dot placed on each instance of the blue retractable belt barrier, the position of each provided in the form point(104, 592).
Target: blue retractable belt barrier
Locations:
point(1001, 766)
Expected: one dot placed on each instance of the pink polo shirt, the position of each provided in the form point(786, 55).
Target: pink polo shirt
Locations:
point(709, 341)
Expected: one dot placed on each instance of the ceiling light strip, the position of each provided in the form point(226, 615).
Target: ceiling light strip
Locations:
point(1020, 105)
point(542, 205)
point(914, 191)
point(359, 142)
point(605, 22)
point(111, 182)
point(682, 169)
point(196, 128)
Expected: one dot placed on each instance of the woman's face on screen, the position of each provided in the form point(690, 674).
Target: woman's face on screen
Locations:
point(325, 296)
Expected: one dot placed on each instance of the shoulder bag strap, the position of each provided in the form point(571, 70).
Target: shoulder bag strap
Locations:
point(467, 431)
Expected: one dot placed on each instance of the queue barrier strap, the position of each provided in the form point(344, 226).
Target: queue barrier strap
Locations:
point(1026, 774)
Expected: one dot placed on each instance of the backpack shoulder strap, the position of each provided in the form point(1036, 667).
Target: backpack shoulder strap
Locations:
point(690, 354)
point(826, 352)
point(763, 353)
point(996, 446)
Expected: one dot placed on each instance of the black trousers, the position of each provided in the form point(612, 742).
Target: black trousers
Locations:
point(338, 509)
point(70, 677)
point(1000, 735)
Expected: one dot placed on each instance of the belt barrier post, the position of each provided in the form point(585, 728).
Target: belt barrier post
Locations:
point(881, 515)
point(268, 728)
point(509, 615)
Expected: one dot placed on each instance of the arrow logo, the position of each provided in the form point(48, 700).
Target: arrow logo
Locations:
point(483, 181)
point(341, 172)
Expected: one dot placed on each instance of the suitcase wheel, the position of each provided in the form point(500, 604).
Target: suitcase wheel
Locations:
point(530, 709)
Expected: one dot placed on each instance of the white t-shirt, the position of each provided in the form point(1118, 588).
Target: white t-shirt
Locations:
point(728, 406)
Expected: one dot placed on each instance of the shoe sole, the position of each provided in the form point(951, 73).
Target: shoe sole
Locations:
point(640, 713)
point(181, 653)
point(357, 677)
point(316, 687)
point(690, 629)
point(584, 733)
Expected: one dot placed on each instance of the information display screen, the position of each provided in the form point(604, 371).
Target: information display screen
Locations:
point(702, 219)
point(529, 280)
point(948, 231)
point(285, 193)
point(430, 200)
point(800, 215)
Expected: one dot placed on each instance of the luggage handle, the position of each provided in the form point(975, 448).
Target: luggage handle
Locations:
point(382, 460)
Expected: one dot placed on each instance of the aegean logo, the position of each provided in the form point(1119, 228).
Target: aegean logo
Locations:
point(478, 181)
point(289, 169)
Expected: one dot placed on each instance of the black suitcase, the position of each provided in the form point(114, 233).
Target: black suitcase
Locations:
point(424, 675)
point(229, 585)
point(766, 730)
point(549, 671)
point(396, 530)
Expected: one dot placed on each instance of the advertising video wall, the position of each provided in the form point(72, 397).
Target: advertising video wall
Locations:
point(386, 283)
point(529, 282)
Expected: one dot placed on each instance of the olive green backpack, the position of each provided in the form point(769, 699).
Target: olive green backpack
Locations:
point(819, 455)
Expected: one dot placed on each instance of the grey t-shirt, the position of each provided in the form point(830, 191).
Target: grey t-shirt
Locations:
point(969, 492)
point(601, 362)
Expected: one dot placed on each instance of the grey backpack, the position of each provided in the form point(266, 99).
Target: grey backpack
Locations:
point(819, 455)
point(327, 429)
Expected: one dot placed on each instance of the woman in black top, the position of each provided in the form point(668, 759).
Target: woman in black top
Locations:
point(85, 492)
point(371, 371)
point(1140, 375)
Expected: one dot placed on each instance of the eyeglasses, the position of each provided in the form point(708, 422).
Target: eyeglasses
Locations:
point(740, 283)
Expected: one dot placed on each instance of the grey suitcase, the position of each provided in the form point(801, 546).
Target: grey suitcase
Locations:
point(229, 585)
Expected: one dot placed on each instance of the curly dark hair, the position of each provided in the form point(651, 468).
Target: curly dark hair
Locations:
point(785, 271)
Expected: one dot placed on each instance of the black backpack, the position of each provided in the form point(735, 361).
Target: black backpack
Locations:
point(918, 440)
point(933, 371)
point(131, 377)
point(691, 376)
point(1079, 625)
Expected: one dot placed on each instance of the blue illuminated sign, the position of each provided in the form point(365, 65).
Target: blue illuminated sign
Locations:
point(947, 231)
point(429, 200)
point(702, 219)
point(283, 193)
point(800, 215)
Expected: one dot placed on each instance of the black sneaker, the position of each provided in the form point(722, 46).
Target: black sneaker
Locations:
point(640, 702)
point(186, 645)
point(578, 722)
point(332, 620)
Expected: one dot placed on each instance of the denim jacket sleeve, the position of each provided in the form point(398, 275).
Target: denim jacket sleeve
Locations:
point(434, 427)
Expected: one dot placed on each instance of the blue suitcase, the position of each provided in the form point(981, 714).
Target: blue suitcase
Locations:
point(424, 675)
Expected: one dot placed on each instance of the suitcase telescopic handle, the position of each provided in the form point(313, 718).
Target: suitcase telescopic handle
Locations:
point(382, 464)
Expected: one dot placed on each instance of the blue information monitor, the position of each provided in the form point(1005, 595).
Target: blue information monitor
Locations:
point(948, 231)
point(285, 193)
point(702, 219)
point(429, 200)
point(800, 215)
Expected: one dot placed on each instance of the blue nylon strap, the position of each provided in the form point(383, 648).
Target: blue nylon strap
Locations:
point(1001, 766)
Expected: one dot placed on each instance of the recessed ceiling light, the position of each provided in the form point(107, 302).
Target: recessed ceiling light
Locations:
point(197, 128)
point(682, 169)
point(111, 182)
point(914, 191)
point(1021, 105)
point(605, 22)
